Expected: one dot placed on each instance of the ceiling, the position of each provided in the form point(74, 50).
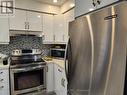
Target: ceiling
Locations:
point(59, 3)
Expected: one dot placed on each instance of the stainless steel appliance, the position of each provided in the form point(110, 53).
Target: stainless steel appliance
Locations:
point(97, 52)
point(58, 53)
point(4, 60)
point(27, 72)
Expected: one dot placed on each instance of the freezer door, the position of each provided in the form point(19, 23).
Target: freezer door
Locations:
point(80, 54)
point(102, 35)
point(115, 84)
point(110, 33)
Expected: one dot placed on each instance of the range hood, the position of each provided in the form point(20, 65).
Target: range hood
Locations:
point(26, 33)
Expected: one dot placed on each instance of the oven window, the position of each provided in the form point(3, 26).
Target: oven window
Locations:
point(29, 79)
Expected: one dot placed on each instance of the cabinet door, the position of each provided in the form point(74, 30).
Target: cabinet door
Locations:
point(18, 21)
point(4, 83)
point(60, 81)
point(48, 28)
point(69, 16)
point(59, 28)
point(83, 6)
point(106, 2)
point(50, 77)
point(4, 31)
point(35, 21)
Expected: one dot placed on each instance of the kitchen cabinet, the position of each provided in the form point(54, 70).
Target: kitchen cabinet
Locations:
point(18, 21)
point(35, 21)
point(85, 6)
point(4, 31)
point(68, 17)
point(60, 80)
point(50, 77)
point(4, 82)
point(26, 20)
point(59, 29)
point(48, 26)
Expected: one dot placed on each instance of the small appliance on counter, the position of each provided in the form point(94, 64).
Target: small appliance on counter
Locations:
point(27, 72)
point(4, 60)
point(58, 51)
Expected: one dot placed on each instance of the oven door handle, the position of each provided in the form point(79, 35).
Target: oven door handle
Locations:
point(27, 69)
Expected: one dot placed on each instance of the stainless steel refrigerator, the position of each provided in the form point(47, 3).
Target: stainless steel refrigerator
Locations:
point(97, 52)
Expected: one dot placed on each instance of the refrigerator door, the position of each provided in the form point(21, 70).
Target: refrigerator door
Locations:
point(80, 54)
point(110, 39)
point(102, 36)
point(97, 52)
point(116, 76)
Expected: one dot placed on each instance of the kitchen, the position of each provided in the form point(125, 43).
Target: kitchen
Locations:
point(63, 47)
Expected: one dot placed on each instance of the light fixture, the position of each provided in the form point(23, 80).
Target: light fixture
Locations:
point(72, 5)
point(39, 16)
point(91, 9)
point(55, 1)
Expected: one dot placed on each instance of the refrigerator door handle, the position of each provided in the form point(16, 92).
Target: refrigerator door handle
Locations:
point(65, 58)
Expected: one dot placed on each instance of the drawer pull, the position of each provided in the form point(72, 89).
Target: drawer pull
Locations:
point(63, 82)
point(1, 87)
point(59, 70)
point(1, 72)
point(1, 80)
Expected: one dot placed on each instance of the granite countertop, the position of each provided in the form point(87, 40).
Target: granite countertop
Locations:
point(59, 62)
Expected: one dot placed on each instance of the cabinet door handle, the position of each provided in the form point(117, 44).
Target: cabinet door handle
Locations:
point(28, 25)
point(54, 37)
point(1, 72)
point(1, 87)
point(99, 2)
point(63, 37)
point(25, 25)
point(1, 80)
point(94, 3)
point(47, 69)
point(63, 82)
point(43, 37)
point(59, 70)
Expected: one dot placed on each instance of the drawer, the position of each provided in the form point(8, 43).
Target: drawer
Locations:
point(4, 73)
point(4, 89)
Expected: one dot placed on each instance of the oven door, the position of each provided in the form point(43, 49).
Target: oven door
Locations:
point(58, 53)
point(28, 79)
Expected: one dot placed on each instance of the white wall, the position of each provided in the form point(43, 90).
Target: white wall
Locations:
point(67, 6)
point(34, 5)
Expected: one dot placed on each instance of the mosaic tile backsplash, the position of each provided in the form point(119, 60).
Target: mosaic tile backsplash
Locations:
point(25, 42)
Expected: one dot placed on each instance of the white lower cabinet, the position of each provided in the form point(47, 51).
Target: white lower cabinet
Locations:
point(4, 82)
point(60, 80)
point(50, 77)
point(56, 79)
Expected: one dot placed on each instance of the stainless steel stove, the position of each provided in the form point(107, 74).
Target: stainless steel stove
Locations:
point(27, 72)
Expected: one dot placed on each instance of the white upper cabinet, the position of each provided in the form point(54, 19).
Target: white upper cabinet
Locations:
point(48, 28)
point(59, 28)
point(85, 6)
point(4, 31)
point(18, 21)
point(35, 21)
point(25, 20)
point(68, 17)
